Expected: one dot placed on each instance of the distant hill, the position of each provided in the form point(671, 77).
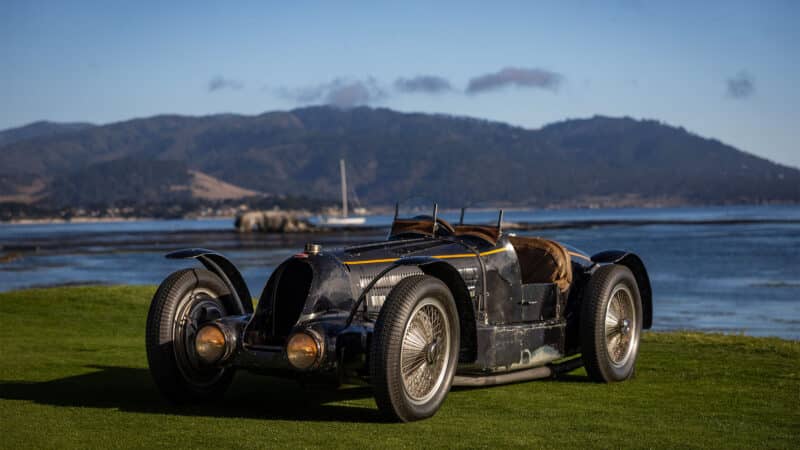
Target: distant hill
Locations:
point(146, 181)
point(390, 155)
point(39, 129)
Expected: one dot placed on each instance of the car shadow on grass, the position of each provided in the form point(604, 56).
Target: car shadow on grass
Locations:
point(132, 390)
point(251, 396)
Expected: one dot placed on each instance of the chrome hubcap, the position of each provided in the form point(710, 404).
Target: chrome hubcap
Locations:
point(625, 326)
point(620, 326)
point(425, 351)
point(432, 352)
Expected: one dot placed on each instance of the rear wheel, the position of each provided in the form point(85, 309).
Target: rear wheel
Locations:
point(611, 324)
point(183, 303)
point(414, 349)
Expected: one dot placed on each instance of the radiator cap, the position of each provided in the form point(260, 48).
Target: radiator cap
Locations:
point(313, 249)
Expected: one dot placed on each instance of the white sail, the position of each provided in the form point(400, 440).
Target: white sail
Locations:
point(344, 188)
point(344, 219)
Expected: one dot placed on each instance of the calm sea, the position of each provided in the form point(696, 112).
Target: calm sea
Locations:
point(737, 278)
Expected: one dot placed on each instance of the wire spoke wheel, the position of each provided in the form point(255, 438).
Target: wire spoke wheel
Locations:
point(620, 324)
point(611, 324)
point(425, 351)
point(415, 348)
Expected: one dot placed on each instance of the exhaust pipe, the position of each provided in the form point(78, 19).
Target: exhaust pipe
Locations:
point(548, 371)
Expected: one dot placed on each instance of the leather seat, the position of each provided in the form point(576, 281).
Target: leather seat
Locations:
point(543, 261)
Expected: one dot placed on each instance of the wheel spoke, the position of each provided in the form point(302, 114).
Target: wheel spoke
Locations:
point(412, 363)
point(424, 350)
point(414, 340)
point(621, 310)
point(611, 325)
point(611, 316)
point(612, 343)
point(619, 324)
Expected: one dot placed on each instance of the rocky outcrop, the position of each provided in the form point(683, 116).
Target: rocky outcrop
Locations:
point(272, 222)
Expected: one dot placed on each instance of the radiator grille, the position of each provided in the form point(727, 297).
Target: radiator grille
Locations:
point(377, 295)
point(470, 277)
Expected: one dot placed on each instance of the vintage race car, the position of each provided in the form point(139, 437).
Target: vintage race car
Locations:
point(432, 306)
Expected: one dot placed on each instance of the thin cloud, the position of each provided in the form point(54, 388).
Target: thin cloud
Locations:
point(340, 92)
point(219, 83)
point(426, 84)
point(515, 76)
point(741, 86)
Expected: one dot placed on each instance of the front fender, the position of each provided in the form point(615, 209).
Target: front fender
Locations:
point(225, 270)
point(418, 261)
point(635, 264)
point(450, 276)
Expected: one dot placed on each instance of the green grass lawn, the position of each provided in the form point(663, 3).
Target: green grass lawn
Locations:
point(74, 374)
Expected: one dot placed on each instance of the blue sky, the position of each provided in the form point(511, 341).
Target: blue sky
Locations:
point(727, 70)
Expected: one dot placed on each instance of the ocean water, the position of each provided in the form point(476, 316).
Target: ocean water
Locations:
point(738, 277)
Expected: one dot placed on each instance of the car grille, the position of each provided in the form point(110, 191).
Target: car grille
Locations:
point(377, 295)
point(290, 297)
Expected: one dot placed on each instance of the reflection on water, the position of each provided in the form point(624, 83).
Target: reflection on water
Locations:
point(733, 278)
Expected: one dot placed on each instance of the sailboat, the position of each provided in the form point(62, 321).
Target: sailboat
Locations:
point(344, 219)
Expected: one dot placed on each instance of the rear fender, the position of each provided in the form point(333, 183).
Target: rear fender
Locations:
point(635, 264)
point(225, 270)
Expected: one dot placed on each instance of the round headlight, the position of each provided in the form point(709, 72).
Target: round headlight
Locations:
point(210, 343)
point(302, 350)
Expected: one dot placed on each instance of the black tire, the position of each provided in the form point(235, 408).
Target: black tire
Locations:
point(198, 296)
point(611, 283)
point(418, 297)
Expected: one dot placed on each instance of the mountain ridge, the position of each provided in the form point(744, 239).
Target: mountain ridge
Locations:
point(392, 155)
point(39, 128)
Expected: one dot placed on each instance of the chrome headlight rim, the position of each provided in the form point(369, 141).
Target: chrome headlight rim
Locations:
point(224, 348)
point(319, 345)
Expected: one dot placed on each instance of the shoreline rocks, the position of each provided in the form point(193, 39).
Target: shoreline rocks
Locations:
point(272, 222)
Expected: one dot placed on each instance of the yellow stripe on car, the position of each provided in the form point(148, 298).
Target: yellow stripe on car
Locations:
point(455, 255)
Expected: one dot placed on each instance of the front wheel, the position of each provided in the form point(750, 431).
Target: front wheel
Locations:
point(611, 324)
point(183, 303)
point(414, 349)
